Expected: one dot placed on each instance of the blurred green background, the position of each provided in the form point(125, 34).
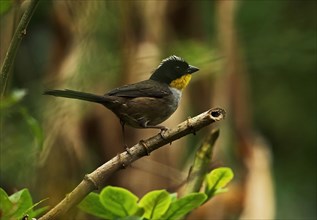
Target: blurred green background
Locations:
point(277, 40)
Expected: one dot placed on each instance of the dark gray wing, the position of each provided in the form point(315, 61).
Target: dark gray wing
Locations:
point(147, 88)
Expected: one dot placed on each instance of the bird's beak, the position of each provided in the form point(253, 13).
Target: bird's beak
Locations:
point(192, 69)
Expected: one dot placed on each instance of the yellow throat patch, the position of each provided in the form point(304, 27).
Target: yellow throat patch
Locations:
point(181, 82)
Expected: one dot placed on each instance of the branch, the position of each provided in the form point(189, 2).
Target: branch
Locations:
point(19, 33)
point(201, 164)
point(97, 178)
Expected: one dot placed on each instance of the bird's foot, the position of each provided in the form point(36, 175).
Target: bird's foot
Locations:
point(163, 130)
point(162, 133)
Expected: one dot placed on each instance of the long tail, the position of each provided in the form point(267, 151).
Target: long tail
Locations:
point(79, 95)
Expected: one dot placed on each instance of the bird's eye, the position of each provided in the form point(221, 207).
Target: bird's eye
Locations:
point(177, 67)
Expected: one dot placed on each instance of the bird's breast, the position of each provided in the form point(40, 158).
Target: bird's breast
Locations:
point(176, 97)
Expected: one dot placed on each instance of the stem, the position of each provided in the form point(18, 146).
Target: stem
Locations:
point(20, 32)
point(201, 164)
point(97, 178)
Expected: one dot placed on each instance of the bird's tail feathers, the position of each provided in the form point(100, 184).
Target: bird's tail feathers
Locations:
point(78, 95)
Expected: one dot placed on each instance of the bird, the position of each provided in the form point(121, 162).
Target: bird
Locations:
point(145, 104)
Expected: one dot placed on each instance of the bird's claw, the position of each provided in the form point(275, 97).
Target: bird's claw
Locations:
point(163, 130)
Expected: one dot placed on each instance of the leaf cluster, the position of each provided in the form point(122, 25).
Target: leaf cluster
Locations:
point(119, 203)
point(18, 205)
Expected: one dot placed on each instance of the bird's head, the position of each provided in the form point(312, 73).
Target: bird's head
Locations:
point(174, 71)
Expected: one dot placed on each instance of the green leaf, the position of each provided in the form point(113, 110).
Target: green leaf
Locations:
point(12, 99)
point(34, 126)
point(173, 196)
point(23, 201)
point(5, 204)
point(216, 180)
point(34, 213)
point(155, 203)
point(92, 205)
point(38, 211)
point(5, 5)
point(120, 202)
point(131, 218)
point(183, 206)
point(18, 205)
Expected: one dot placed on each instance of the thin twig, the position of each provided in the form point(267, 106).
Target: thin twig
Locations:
point(97, 178)
point(20, 32)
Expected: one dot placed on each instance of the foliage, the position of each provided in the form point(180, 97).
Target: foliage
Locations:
point(118, 203)
point(21, 138)
point(216, 180)
point(18, 205)
point(5, 6)
point(11, 104)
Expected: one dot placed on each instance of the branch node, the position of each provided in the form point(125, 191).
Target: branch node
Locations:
point(128, 151)
point(23, 33)
point(91, 180)
point(123, 166)
point(144, 145)
point(190, 125)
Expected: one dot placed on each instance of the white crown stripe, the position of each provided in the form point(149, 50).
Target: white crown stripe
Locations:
point(171, 58)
